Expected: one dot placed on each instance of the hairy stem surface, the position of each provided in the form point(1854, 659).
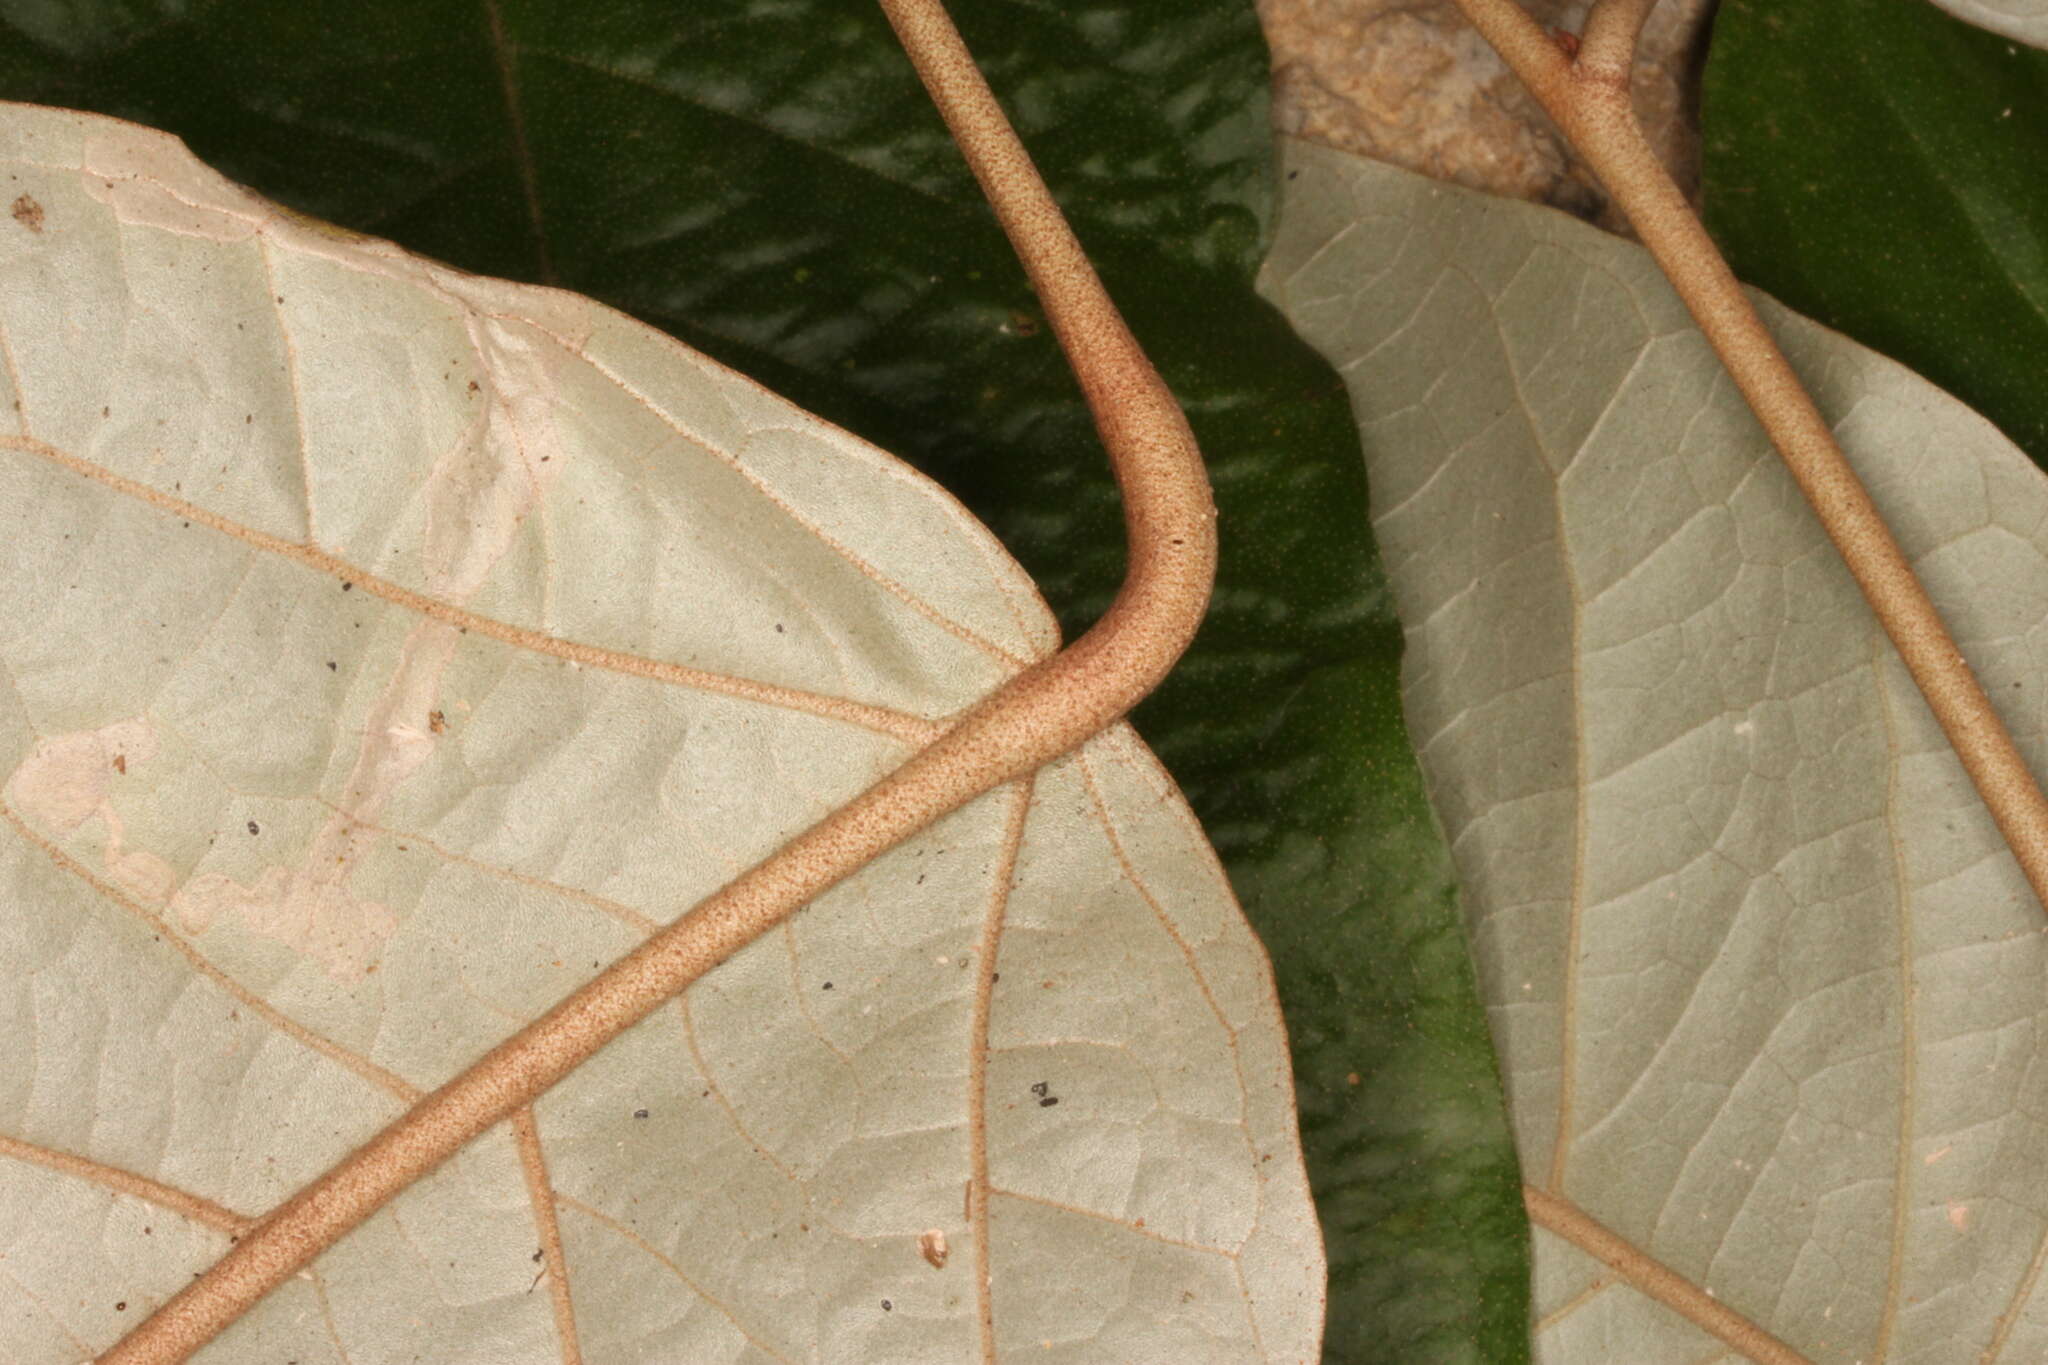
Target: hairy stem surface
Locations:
point(1042, 713)
point(1655, 1279)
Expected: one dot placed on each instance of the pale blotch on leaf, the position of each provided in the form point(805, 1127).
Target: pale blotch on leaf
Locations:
point(69, 780)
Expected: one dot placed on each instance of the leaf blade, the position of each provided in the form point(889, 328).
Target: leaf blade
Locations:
point(355, 867)
point(1283, 725)
point(1673, 754)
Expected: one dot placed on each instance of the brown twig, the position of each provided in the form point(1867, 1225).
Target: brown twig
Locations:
point(1655, 1279)
point(1609, 39)
point(1588, 97)
point(1042, 713)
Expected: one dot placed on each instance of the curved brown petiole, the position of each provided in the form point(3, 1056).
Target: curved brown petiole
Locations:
point(1588, 96)
point(1042, 713)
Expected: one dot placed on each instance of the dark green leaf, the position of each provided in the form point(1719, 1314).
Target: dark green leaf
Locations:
point(767, 182)
point(1879, 167)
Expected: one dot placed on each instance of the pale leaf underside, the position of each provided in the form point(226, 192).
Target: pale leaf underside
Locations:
point(383, 650)
point(2026, 20)
point(1768, 989)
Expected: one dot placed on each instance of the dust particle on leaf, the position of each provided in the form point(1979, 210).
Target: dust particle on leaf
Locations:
point(253, 829)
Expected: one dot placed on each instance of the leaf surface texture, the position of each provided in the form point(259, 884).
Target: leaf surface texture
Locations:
point(1766, 984)
point(1877, 167)
point(389, 648)
point(2026, 20)
point(769, 184)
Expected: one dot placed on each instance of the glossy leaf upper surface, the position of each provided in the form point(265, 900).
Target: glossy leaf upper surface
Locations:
point(1878, 167)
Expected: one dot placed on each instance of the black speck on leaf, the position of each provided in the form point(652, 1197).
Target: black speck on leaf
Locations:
point(253, 829)
point(639, 1113)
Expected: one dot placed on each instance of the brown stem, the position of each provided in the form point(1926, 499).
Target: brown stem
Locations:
point(1042, 713)
point(1589, 100)
point(1609, 38)
point(1656, 1280)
